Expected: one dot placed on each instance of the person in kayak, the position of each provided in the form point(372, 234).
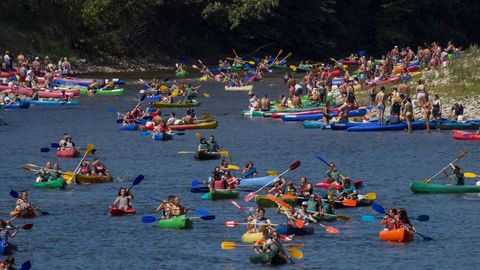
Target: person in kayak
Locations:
point(218, 182)
point(253, 102)
point(305, 188)
point(212, 144)
point(291, 189)
point(278, 188)
point(203, 146)
point(403, 221)
point(265, 103)
point(273, 245)
point(190, 117)
point(127, 119)
point(437, 110)
point(259, 223)
point(458, 177)
point(176, 209)
point(348, 190)
point(123, 201)
point(55, 172)
point(389, 220)
point(249, 170)
point(173, 120)
point(99, 168)
point(292, 215)
point(85, 168)
point(8, 230)
point(333, 175)
point(313, 207)
point(224, 167)
point(165, 207)
point(162, 128)
point(22, 205)
point(230, 180)
point(44, 173)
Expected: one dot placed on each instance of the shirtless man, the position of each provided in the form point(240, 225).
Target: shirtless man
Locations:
point(265, 103)
point(296, 101)
point(380, 101)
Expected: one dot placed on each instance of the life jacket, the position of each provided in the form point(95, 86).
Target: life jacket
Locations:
point(175, 210)
point(99, 167)
point(312, 206)
point(304, 190)
point(231, 182)
point(219, 184)
point(290, 190)
point(85, 170)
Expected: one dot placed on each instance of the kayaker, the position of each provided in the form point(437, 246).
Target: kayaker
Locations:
point(85, 168)
point(313, 206)
point(176, 209)
point(165, 207)
point(55, 172)
point(296, 100)
point(123, 200)
point(403, 221)
point(203, 146)
point(458, 177)
point(278, 188)
point(291, 189)
point(253, 102)
point(389, 220)
point(224, 167)
point(22, 205)
point(99, 168)
point(348, 190)
point(68, 144)
point(190, 117)
point(44, 173)
point(326, 206)
point(162, 127)
point(212, 144)
point(218, 182)
point(6, 99)
point(63, 141)
point(249, 170)
point(230, 180)
point(8, 230)
point(292, 215)
point(9, 264)
point(265, 103)
point(333, 175)
point(127, 119)
point(305, 188)
point(274, 246)
point(173, 120)
point(457, 109)
point(259, 223)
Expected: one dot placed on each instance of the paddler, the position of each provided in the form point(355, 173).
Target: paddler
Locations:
point(291, 189)
point(403, 221)
point(85, 168)
point(123, 200)
point(313, 207)
point(389, 220)
point(249, 170)
point(176, 209)
point(212, 144)
point(44, 173)
point(230, 180)
point(127, 119)
point(99, 168)
point(278, 188)
point(55, 172)
point(265, 103)
point(458, 177)
point(22, 204)
point(203, 146)
point(165, 207)
point(217, 182)
point(333, 175)
point(348, 191)
point(253, 102)
point(259, 223)
point(273, 245)
point(8, 230)
point(305, 188)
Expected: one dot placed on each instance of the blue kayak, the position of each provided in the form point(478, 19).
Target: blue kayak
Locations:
point(373, 126)
point(83, 82)
point(314, 124)
point(153, 98)
point(21, 105)
point(318, 116)
point(129, 127)
point(256, 181)
point(51, 103)
point(3, 246)
point(162, 136)
point(344, 126)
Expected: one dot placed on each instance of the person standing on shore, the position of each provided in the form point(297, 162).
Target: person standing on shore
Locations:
point(427, 109)
point(437, 110)
point(380, 101)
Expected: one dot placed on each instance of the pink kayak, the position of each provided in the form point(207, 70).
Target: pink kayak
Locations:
point(118, 212)
point(41, 93)
point(324, 74)
point(325, 184)
point(279, 114)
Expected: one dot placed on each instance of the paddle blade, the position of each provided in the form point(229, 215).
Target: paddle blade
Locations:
point(233, 167)
point(378, 208)
point(350, 203)
point(237, 205)
point(89, 148)
point(138, 180)
point(295, 245)
point(195, 183)
point(14, 194)
point(27, 226)
point(223, 153)
point(423, 218)
point(278, 201)
point(203, 212)
point(322, 160)
point(142, 98)
point(112, 110)
point(148, 219)
point(295, 165)
point(206, 95)
point(208, 217)
point(272, 172)
point(299, 223)
point(462, 155)
point(469, 175)
point(371, 196)
point(296, 253)
point(186, 152)
point(33, 165)
point(198, 135)
point(54, 145)
point(332, 230)
point(26, 168)
point(249, 196)
point(368, 218)
point(230, 223)
point(44, 149)
point(26, 265)
point(228, 245)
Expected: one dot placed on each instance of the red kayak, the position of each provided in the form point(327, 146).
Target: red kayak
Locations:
point(325, 184)
point(465, 135)
point(41, 93)
point(325, 74)
point(315, 111)
point(115, 212)
point(7, 74)
point(349, 62)
point(68, 153)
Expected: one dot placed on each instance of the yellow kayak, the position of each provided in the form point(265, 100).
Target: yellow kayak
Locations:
point(251, 238)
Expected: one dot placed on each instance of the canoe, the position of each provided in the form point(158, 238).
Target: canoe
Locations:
point(203, 125)
point(21, 105)
point(115, 212)
point(53, 103)
point(182, 73)
point(398, 235)
point(103, 92)
point(129, 127)
point(360, 203)
point(239, 88)
point(68, 153)
point(435, 188)
point(263, 201)
point(465, 135)
point(221, 194)
point(26, 213)
point(93, 179)
point(162, 136)
point(251, 238)
point(272, 258)
point(236, 68)
point(57, 183)
point(202, 155)
point(182, 104)
point(180, 222)
point(291, 229)
point(256, 181)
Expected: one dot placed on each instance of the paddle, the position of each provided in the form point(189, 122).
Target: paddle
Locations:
point(231, 245)
point(151, 219)
point(470, 175)
point(292, 167)
point(368, 218)
point(461, 155)
point(370, 196)
point(142, 98)
point(379, 209)
point(344, 66)
point(328, 229)
point(26, 265)
point(69, 176)
point(298, 222)
point(285, 58)
point(14, 194)
point(137, 181)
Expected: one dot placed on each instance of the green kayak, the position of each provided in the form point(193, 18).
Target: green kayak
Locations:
point(180, 222)
point(57, 183)
point(434, 188)
point(327, 218)
point(182, 73)
point(114, 92)
point(182, 104)
point(236, 68)
point(263, 201)
point(268, 258)
point(221, 194)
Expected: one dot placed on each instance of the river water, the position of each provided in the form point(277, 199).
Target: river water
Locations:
point(77, 234)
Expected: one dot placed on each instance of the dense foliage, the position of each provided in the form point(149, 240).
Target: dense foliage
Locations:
point(109, 29)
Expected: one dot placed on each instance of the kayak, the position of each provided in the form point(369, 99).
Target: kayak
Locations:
point(203, 125)
point(220, 194)
point(256, 181)
point(57, 183)
point(282, 111)
point(251, 238)
point(45, 93)
point(202, 155)
point(236, 67)
point(71, 152)
point(114, 212)
point(21, 105)
point(162, 136)
point(360, 203)
point(272, 258)
point(450, 125)
point(465, 135)
point(82, 82)
point(291, 229)
point(318, 116)
point(239, 88)
point(263, 201)
point(129, 127)
point(374, 126)
point(93, 179)
point(52, 103)
point(182, 104)
point(343, 125)
point(358, 184)
point(180, 222)
point(26, 213)
point(435, 188)
point(113, 92)
point(398, 235)
point(182, 73)
point(314, 124)
point(327, 218)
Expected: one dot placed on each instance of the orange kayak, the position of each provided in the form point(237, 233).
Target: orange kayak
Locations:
point(398, 235)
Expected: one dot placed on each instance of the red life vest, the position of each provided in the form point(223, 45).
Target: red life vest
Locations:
point(85, 169)
point(219, 184)
point(232, 182)
point(99, 167)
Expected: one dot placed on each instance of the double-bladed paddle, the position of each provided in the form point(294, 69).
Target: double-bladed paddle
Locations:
point(26, 265)
point(231, 245)
point(151, 219)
